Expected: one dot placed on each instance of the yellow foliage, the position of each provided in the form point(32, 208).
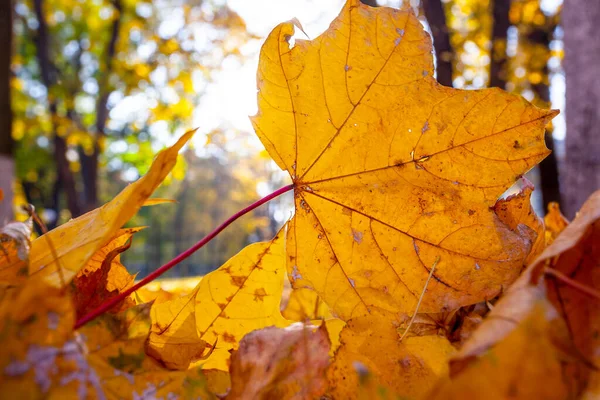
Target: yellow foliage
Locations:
point(392, 170)
point(44, 358)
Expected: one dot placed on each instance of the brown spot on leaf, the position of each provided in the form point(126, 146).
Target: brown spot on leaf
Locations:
point(238, 280)
point(228, 337)
point(259, 294)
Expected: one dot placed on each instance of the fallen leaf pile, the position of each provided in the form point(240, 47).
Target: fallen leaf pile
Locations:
point(409, 275)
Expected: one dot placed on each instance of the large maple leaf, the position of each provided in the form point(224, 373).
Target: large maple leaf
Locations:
point(392, 170)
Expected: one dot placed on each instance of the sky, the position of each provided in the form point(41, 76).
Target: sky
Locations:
point(231, 99)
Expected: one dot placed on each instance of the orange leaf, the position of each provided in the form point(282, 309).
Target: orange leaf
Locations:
point(104, 276)
point(517, 213)
point(409, 368)
point(555, 222)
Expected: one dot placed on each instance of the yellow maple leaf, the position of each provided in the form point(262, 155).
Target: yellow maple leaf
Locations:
point(392, 170)
point(58, 255)
point(239, 297)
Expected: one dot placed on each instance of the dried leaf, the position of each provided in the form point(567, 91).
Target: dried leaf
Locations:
point(526, 364)
point(392, 170)
point(517, 213)
point(43, 358)
point(104, 276)
point(239, 297)
point(274, 363)
point(439, 324)
point(555, 222)
point(119, 338)
point(575, 253)
point(15, 241)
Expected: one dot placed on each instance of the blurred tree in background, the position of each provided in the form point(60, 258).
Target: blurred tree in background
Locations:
point(98, 86)
point(75, 60)
point(582, 57)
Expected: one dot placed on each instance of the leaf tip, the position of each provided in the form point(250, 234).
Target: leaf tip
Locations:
point(551, 114)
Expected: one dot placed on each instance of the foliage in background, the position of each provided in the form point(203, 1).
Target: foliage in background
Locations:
point(210, 191)
point(93, 78)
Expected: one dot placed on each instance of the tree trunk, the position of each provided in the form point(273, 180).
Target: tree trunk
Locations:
point(434, 12)
point(180, 231)
point(89, 164)
point(501, 23)
point(65, 178)
point(6, 144)
point(372, 3)
point(548, 167)
point(581, 174)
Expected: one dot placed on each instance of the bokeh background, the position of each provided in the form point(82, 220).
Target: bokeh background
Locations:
point(94, 88)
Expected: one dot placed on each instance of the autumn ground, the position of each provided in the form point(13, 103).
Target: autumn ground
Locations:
point(408, 277)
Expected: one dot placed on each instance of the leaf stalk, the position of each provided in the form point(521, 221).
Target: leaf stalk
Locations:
point(107, 305)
